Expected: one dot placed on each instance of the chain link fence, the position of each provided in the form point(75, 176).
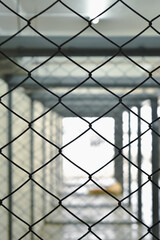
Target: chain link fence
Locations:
point(79, 120)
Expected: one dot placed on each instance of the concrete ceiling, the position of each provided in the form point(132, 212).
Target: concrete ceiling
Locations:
point(89, 64)
point(118, 20)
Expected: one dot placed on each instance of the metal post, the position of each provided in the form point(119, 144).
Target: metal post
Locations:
point(60, 142)
point(118, 163)
point(139, 160)
point(57, 177)
point(51, 153)
point(129, 156)
point(155, 167)
point(58, 170)
point(32, 164)
point(43, 162)
point(57, 180)
point(54, 173)
point(10, 174)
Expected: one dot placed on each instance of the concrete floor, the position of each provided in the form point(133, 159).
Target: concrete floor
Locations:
point(92, 209)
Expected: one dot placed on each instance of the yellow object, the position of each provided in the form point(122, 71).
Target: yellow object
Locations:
point(114, 189)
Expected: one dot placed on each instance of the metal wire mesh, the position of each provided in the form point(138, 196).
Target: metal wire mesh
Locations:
point(92, 77)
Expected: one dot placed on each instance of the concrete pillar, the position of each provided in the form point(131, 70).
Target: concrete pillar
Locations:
point(10, 175)
point(118, 162)
point(129, 156)
point(32, 165)
point(139, 162)
point(155, 169)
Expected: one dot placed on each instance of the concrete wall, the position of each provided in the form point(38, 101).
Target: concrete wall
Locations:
point(44, 163)
point(21, 154)
point(3, 162)
point(38, 158)
point(31, 151)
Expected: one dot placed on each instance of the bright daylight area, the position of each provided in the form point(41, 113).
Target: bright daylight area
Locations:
point(93, 149)
point(90, 151)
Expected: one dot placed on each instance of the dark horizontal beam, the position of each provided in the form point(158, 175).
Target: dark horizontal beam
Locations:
point(81, 98)
point(84, 110)
point(108, 82)
point(91, 110)
point(20, 46)
point(90, 105)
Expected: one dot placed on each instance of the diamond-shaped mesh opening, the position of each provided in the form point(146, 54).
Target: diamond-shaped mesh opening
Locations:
point(121, 10)
point(79, 120)
point(51, 23)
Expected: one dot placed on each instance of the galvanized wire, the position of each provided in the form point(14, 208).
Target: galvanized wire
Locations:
point(59, 150)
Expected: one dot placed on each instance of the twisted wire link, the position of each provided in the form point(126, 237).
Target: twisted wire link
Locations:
point(120, 102)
